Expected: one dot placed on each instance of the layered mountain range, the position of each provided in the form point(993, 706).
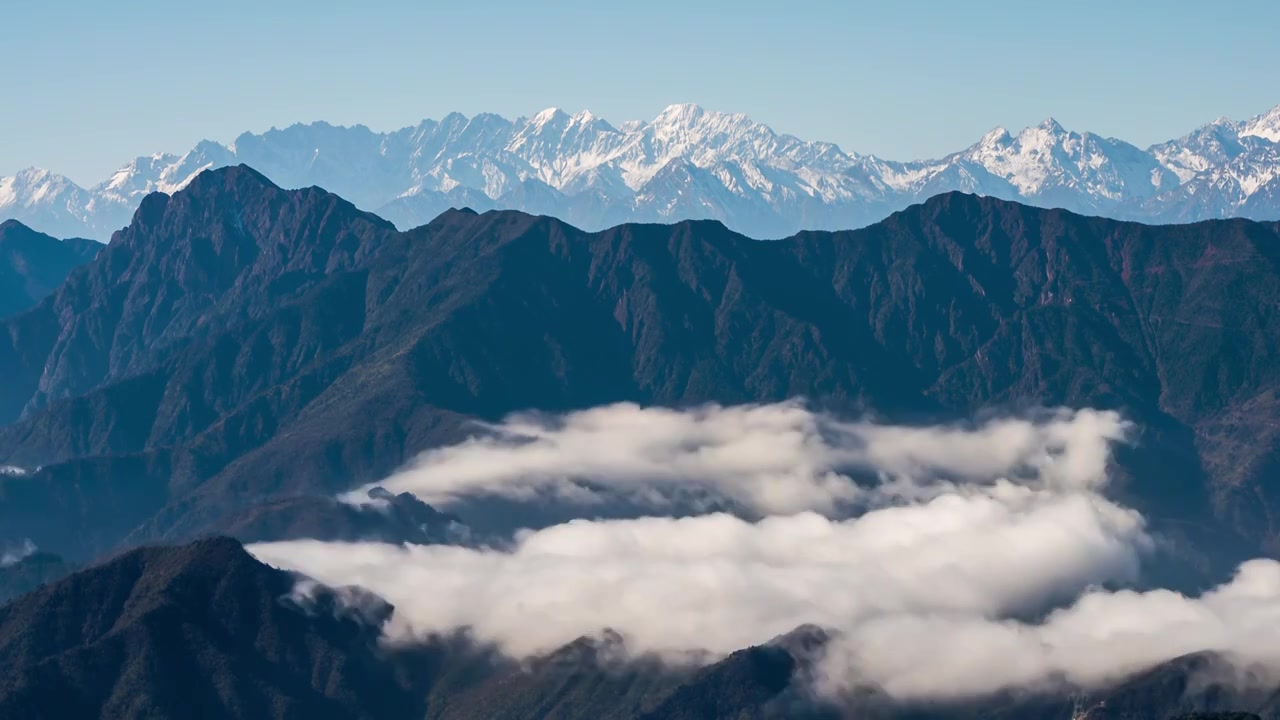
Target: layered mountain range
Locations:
point(241, 353)
point(206, 631)
point(239, 343)
point(689, 163)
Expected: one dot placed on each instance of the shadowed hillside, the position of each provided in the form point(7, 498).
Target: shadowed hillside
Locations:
point(239, 342)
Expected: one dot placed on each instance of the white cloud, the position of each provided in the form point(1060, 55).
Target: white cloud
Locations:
point(12, 555)
point(968, 528)
point(1103, 636)
point(720, 583)
point(770, 459)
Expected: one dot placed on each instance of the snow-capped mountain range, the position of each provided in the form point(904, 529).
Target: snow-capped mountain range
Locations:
point(688, 163)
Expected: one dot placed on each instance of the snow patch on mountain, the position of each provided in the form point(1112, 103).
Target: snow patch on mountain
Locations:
point(688, 162)
point(1266, 126)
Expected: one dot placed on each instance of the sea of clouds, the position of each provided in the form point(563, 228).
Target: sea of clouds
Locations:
point(945, 561)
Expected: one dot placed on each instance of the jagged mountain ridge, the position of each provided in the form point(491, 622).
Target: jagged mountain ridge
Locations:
point(206, 630)
point(689, 163)
point(32, 264)
point(241, 343)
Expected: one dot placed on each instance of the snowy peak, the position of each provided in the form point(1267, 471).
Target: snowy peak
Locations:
point(46, 201)
point(692, 122)
point(550, 115)
point(1204, 148)
point(1265, 126)
point(996, 136)
point(1225, 168)
point(584, 117)
point(687, 162)
point(1080, 171)
point(1050, 125)
point(34, 186)
point(680, 115)
point(162, 172)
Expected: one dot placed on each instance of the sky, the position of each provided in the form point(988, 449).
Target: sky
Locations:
point(91, 84)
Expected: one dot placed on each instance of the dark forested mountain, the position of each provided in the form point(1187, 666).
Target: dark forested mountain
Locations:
point(22, 575)
point(240, 343)
point(32, 264)
point(206, 631)
point(190, 632)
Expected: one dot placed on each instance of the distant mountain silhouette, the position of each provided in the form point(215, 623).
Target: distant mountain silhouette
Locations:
point(689, 162)
point(240, 344)
point(33, 264)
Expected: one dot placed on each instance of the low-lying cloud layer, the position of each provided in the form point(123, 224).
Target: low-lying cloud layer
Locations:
point(964, 529)
point(770, 459)
point(1102, 636)
point(721, 583)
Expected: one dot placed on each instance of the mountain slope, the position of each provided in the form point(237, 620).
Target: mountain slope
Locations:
point(240, 343)
point(187, 632)
point(688, 163)
point(20, 575)
point(205, 630)
point(33, 264)
point(189, 269)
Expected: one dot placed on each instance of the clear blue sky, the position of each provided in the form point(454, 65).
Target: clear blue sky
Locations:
point(89, 84)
